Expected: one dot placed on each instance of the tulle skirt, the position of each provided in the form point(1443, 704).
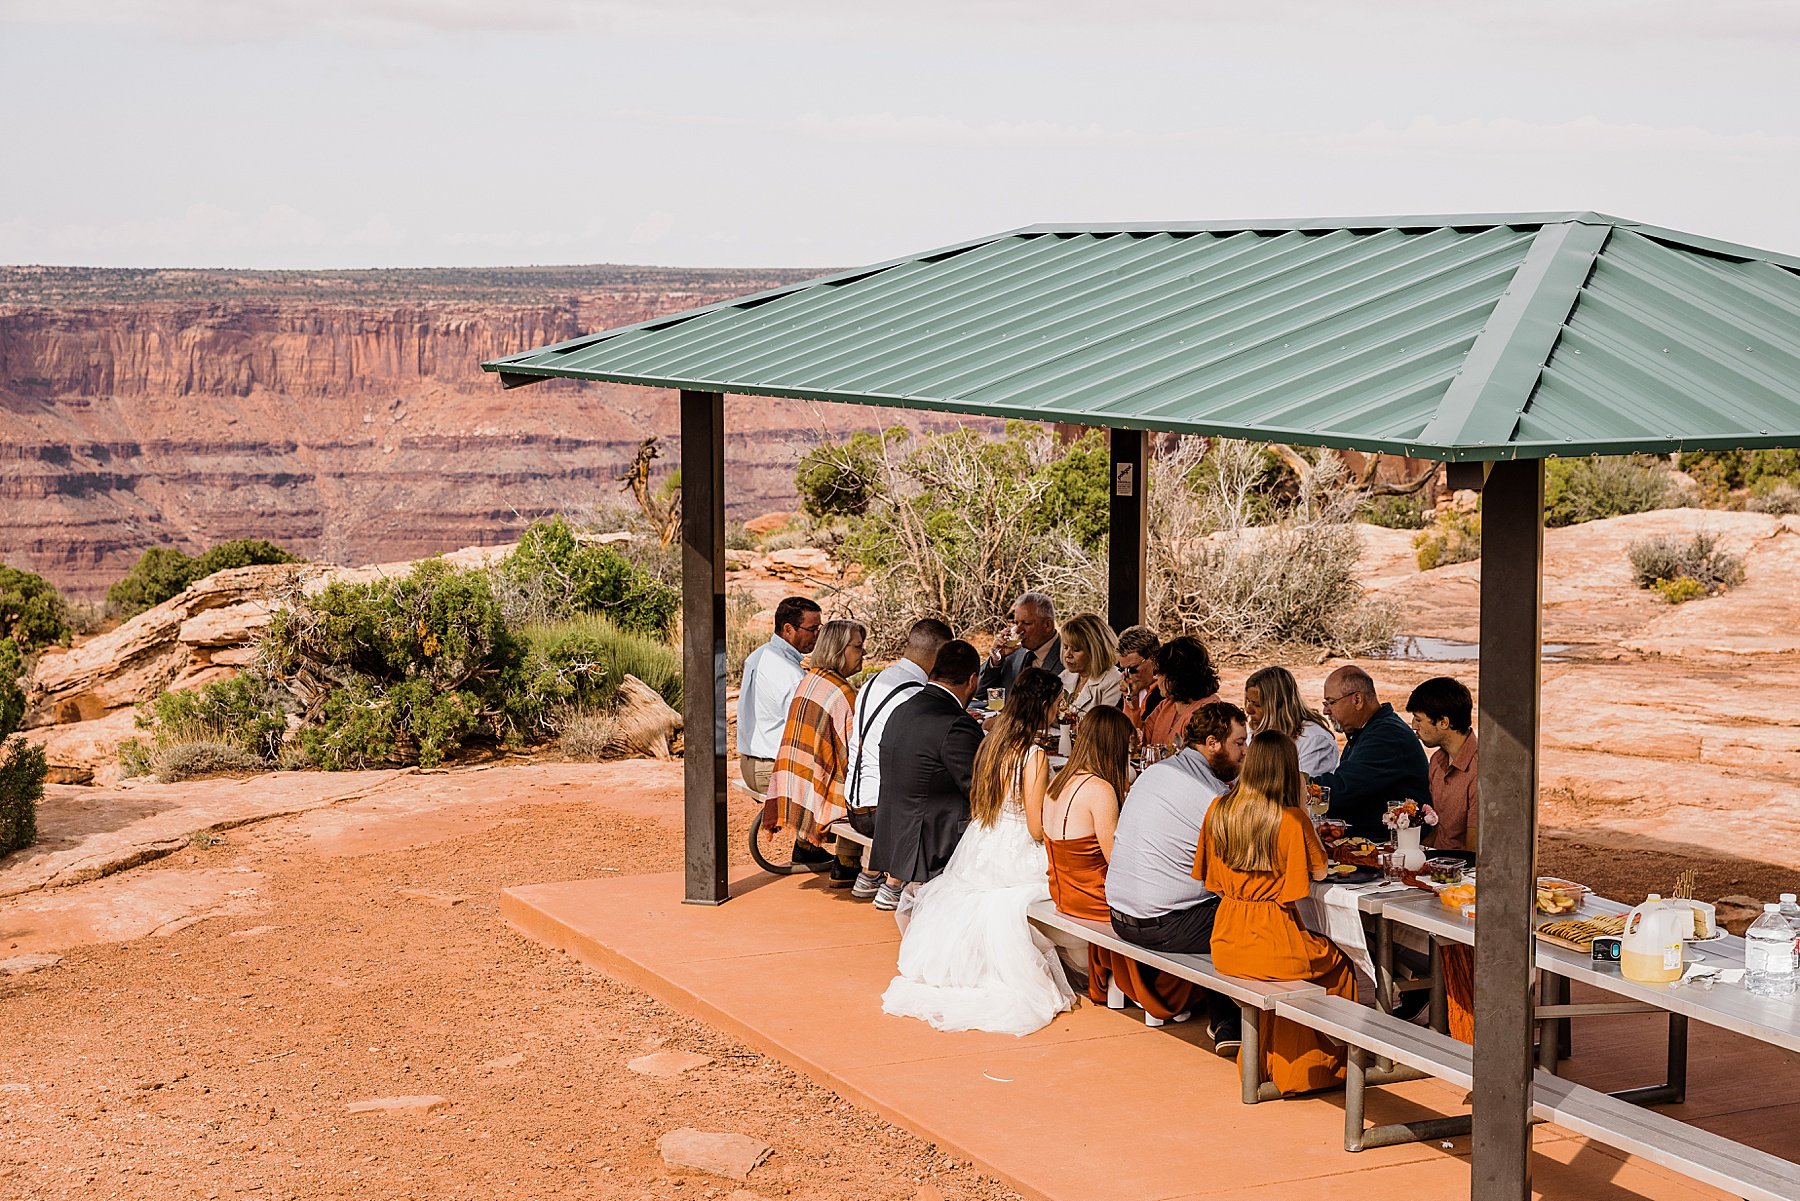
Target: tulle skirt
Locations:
point(969, 960)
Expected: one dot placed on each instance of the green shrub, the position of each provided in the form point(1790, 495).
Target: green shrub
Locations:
point(1675, 567)
point(595, 656)
point(1453, 537)
point(842, 479)
point(246, 714)
point(1396, 512)
point(162, 572)
point(1679, 589)
point(401, 670)
point(1578, 490)
point(23, 767)
point(33, 613)
point(1079, 497)
point(1723, 472)
point(554, 575)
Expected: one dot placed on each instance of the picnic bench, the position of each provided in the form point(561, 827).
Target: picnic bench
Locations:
point(1600, 1116)
point(1253, 997)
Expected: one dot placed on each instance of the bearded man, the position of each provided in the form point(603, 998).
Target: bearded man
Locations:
point(1156, 903)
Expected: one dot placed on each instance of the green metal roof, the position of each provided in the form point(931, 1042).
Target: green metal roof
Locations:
point(1458, 338)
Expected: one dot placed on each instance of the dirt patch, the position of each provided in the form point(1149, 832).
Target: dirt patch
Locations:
point(220, 1060)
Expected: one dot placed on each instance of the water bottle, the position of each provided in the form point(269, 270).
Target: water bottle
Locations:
point(1790, 908)
point(1769, 954)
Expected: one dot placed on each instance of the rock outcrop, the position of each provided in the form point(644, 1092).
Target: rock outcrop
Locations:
point(343, 415)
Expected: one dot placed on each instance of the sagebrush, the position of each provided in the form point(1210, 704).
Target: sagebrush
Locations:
point(1681, 569)
point(1578, 490)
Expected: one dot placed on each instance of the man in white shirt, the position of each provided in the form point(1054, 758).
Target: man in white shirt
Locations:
point(874, 705)
point(772, 675)
point(1156, 903)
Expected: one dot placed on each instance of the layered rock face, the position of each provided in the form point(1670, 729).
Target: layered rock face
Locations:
point(343, 415)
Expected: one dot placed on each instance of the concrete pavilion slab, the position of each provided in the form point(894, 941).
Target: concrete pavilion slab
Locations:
point(1095, 1106)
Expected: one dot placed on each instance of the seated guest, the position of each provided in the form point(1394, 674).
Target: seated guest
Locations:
point(1272, 702)
point(969, 959)
point(1137, 667)
point(1080, 815)
point(1032, 641)
point(1153, 898)
point(1090, 654)
point(1441, 710)
point(1187, 680)
point(772, 673)
point(875, 704)
point(1382, 759)
point(927, 760)
point(1260, 855)
point(811, 765)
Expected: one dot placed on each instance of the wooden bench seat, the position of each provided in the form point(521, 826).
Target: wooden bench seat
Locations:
point(1252, 996)
point(1618, 1123)
point(849, 833)
point(1699, 1154)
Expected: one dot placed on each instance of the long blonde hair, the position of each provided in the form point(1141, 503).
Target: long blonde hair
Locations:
point(1283, 710)
point(1102, 749)
point(1089, 633)
point(1246, 821)
point(1000, 763)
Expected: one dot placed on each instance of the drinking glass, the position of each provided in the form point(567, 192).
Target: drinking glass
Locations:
point(996, 699)
point(1391, 865)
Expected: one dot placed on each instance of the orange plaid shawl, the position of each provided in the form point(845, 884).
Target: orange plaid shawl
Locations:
point(810, 767)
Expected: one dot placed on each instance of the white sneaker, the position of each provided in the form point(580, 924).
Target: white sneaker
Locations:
point(867, 885)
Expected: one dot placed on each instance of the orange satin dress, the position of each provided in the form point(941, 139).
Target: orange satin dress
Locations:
point(1258, 935)
point(1078, 888)
point(1166, 725)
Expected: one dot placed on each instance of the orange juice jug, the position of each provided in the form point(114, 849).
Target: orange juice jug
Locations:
point(1650, 952)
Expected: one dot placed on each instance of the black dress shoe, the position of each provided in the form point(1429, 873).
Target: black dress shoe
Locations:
point(843, 875)
point(808, 854)
point(1412, 1004)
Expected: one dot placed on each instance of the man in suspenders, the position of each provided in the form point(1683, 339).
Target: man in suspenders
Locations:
point(877, 700)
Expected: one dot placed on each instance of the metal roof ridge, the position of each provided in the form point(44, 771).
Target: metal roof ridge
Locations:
point(1485, 400)
point(1403, 221)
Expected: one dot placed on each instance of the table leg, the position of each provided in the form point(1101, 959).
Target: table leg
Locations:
point(1678, 1056)
point(1385, 996)
point(1439, 1009)
point(1555, 991)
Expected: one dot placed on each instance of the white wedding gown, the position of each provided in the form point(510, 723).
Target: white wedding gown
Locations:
point(969, 960)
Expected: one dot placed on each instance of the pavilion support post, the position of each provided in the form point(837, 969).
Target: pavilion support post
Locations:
point(1512, 551)
point(1128, 529)
point(703, 644)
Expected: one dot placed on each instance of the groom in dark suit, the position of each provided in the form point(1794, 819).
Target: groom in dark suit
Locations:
point(927, 760)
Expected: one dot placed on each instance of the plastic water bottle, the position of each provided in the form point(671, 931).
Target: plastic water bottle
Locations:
point(1769, 954)
point(1790, 908)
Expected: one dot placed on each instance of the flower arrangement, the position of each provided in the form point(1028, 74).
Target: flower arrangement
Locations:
point(1404, 815)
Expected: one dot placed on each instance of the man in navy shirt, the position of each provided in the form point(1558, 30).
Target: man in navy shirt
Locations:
point(1383, 760)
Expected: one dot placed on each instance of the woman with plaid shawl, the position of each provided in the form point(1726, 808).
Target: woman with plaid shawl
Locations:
point(812, 763)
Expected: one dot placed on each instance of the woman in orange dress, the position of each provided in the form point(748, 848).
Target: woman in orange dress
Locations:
point(1258, 851)
point(1080, 814)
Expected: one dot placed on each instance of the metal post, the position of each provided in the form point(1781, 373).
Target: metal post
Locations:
point(1512, 552)
point(703, 644)
point(1128, 529)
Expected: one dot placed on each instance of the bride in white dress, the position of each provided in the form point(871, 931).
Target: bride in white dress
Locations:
point(969, 959)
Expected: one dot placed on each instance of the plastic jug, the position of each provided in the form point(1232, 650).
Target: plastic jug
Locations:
point(1650, 951)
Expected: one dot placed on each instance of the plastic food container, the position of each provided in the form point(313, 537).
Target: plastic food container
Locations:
point(1455, 896)
point(1559, 896)
point(1444, 871)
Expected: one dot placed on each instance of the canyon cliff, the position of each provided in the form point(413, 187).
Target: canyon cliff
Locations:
point(342, 414)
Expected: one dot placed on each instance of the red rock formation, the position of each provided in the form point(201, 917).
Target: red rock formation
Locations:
point(341, 414)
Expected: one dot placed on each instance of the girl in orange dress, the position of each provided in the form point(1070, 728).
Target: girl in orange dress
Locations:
point(1260, 854)
point(1080, 814)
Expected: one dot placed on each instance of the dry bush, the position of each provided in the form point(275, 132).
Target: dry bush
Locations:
point(586, 735)
point(199, 758)
point(1249, 577)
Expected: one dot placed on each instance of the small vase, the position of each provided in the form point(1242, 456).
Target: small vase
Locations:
point(1406, 846)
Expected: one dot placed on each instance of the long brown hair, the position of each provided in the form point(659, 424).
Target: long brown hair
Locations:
point(1000, 762)
point(1102, 749)
point(1246, 821)
point(1281, 704)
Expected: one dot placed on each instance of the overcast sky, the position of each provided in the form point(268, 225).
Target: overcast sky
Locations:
point(349, 133)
